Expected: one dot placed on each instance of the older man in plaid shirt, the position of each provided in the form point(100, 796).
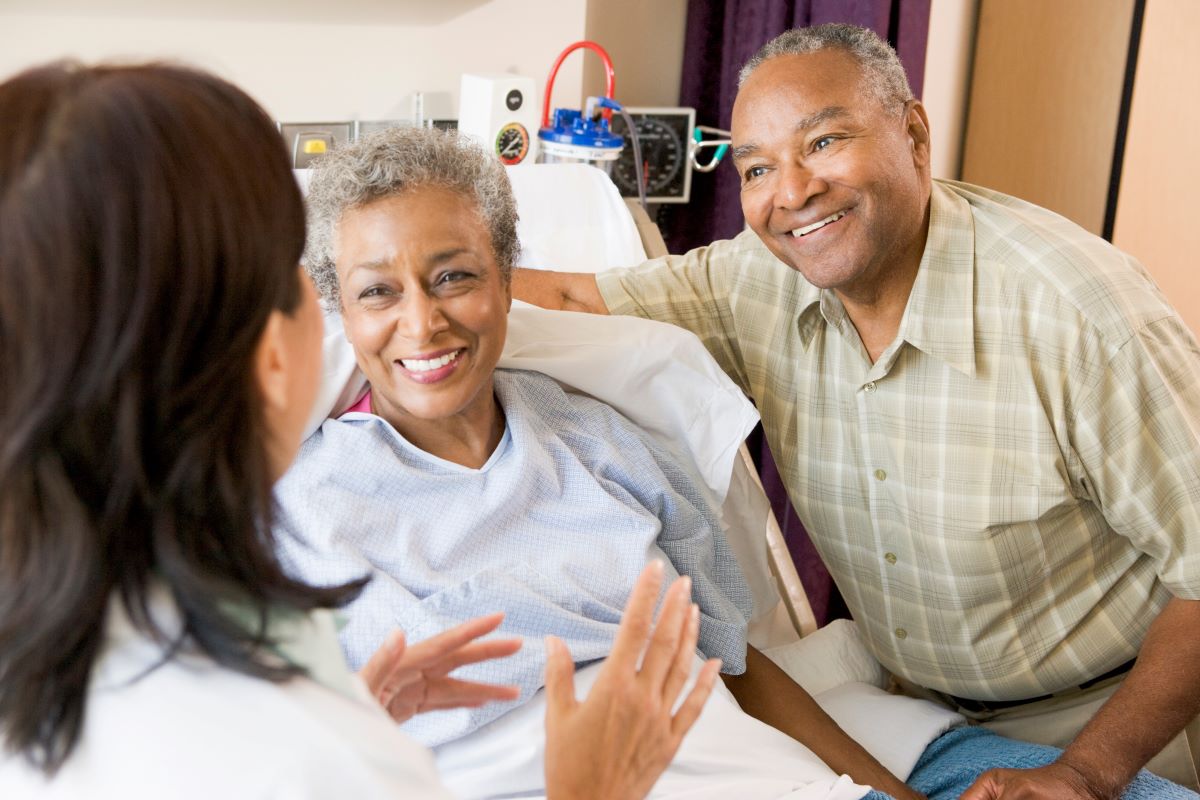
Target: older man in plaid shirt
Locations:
point(988, 418)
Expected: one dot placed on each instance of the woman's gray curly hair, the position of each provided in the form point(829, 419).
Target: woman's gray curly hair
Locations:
point(396, 161)
point(882, 73)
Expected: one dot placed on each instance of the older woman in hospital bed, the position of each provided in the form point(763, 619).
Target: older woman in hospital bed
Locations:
point(463, 489)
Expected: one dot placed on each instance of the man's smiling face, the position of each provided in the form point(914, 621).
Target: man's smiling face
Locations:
point(834, 183)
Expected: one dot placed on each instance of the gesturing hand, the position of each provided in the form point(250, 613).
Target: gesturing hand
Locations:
point(1057, 781)
point(411, 680)
point(615, 744)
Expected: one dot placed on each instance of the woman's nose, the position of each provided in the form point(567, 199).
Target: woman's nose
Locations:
point(422, 318)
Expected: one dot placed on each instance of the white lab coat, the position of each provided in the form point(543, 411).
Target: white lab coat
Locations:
point(190, 729)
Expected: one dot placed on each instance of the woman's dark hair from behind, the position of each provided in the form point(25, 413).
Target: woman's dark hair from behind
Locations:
point(149, 225)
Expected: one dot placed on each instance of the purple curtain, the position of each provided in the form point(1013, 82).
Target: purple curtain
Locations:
point(721, 36)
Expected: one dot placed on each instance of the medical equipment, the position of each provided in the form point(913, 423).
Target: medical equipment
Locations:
point(577, 137)
point(664, 135)
point(671, 142)
point(569, 136)
point(309, 140)
point(499, 111)
point(722, 143)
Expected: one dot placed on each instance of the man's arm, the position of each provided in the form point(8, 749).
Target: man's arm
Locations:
point(562, 291)
point(1160, 696)
point(767, 693)
point(1146, 486)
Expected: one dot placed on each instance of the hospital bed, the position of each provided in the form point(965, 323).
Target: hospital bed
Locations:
point(573, 219)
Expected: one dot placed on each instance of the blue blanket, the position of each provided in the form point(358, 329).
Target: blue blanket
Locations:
point(951, 764)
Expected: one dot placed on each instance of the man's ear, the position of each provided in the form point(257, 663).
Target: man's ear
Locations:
point(916, 123)
point(270, 363)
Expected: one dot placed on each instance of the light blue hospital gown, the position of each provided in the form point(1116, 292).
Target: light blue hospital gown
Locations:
point(553, 530)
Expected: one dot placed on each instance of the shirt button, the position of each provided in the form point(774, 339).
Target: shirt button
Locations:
point(901, 633)
point(869, 388)
point(889, 557)
point(880, 475)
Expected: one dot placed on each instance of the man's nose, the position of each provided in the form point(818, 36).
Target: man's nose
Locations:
point(422, 317)
point(797, 184)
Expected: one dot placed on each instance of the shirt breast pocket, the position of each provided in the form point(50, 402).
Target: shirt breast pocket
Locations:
point(984, 531)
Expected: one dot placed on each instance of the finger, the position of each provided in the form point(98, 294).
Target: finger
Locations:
point(668, 632)
point(474, 653)
point(681, 667)
point(383, 661)
point(693, 704)
point(637, 618)
point(429, 651)
point(560, 678)
point(453, 693)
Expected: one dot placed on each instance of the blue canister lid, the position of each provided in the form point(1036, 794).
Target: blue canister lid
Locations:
point(571, 127)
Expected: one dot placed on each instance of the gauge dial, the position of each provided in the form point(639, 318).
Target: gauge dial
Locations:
point(512, 143)
point(662, 158)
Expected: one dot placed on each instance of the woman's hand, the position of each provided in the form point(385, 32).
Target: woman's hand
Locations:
point(412, 680)
point(615, 744)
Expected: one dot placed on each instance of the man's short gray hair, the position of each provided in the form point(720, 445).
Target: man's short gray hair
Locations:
point(396, 161)
point(882, 73)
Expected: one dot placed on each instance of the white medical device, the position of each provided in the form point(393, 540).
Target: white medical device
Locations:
point(501, 112)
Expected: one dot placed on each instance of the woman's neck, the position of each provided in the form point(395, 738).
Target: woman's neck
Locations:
point(468, 438)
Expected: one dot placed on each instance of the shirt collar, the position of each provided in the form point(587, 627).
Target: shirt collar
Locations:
point(939, 318)
point(816, 306)
point(307, 640)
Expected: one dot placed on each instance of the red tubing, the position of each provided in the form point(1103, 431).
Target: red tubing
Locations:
point(610, 80)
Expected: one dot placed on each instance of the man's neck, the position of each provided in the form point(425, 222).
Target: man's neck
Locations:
point(878, 321)
point(876, 306)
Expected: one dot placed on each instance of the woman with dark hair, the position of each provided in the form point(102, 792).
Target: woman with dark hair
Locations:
point(160, 351)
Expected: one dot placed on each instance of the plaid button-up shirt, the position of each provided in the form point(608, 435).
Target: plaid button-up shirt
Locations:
point(1009, 495)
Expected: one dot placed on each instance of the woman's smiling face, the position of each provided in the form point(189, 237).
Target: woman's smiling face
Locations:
point(424, 304)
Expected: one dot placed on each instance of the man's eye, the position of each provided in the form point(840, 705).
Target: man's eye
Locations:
point(755, 172)
point(372, 291)
point(453, 276)
point(823, 142)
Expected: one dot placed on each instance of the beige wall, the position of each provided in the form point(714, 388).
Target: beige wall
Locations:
point(1045, 95)
point(1158, 212)
point(947, 75)
point(645, 40)
point(310, 60)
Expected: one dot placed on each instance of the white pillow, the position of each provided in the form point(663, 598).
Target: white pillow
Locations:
point(893, 728)
point(829, 657)
point(573, 219)
point(836, 668)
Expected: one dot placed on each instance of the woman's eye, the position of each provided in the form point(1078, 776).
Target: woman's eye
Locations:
point(372, 291)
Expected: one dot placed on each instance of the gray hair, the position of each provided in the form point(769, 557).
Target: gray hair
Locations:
point(882, 73)
point(396, 161)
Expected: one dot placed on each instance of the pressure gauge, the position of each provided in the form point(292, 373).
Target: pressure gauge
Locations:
point(664, 135)
point(512, 143)
point(498, 111)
